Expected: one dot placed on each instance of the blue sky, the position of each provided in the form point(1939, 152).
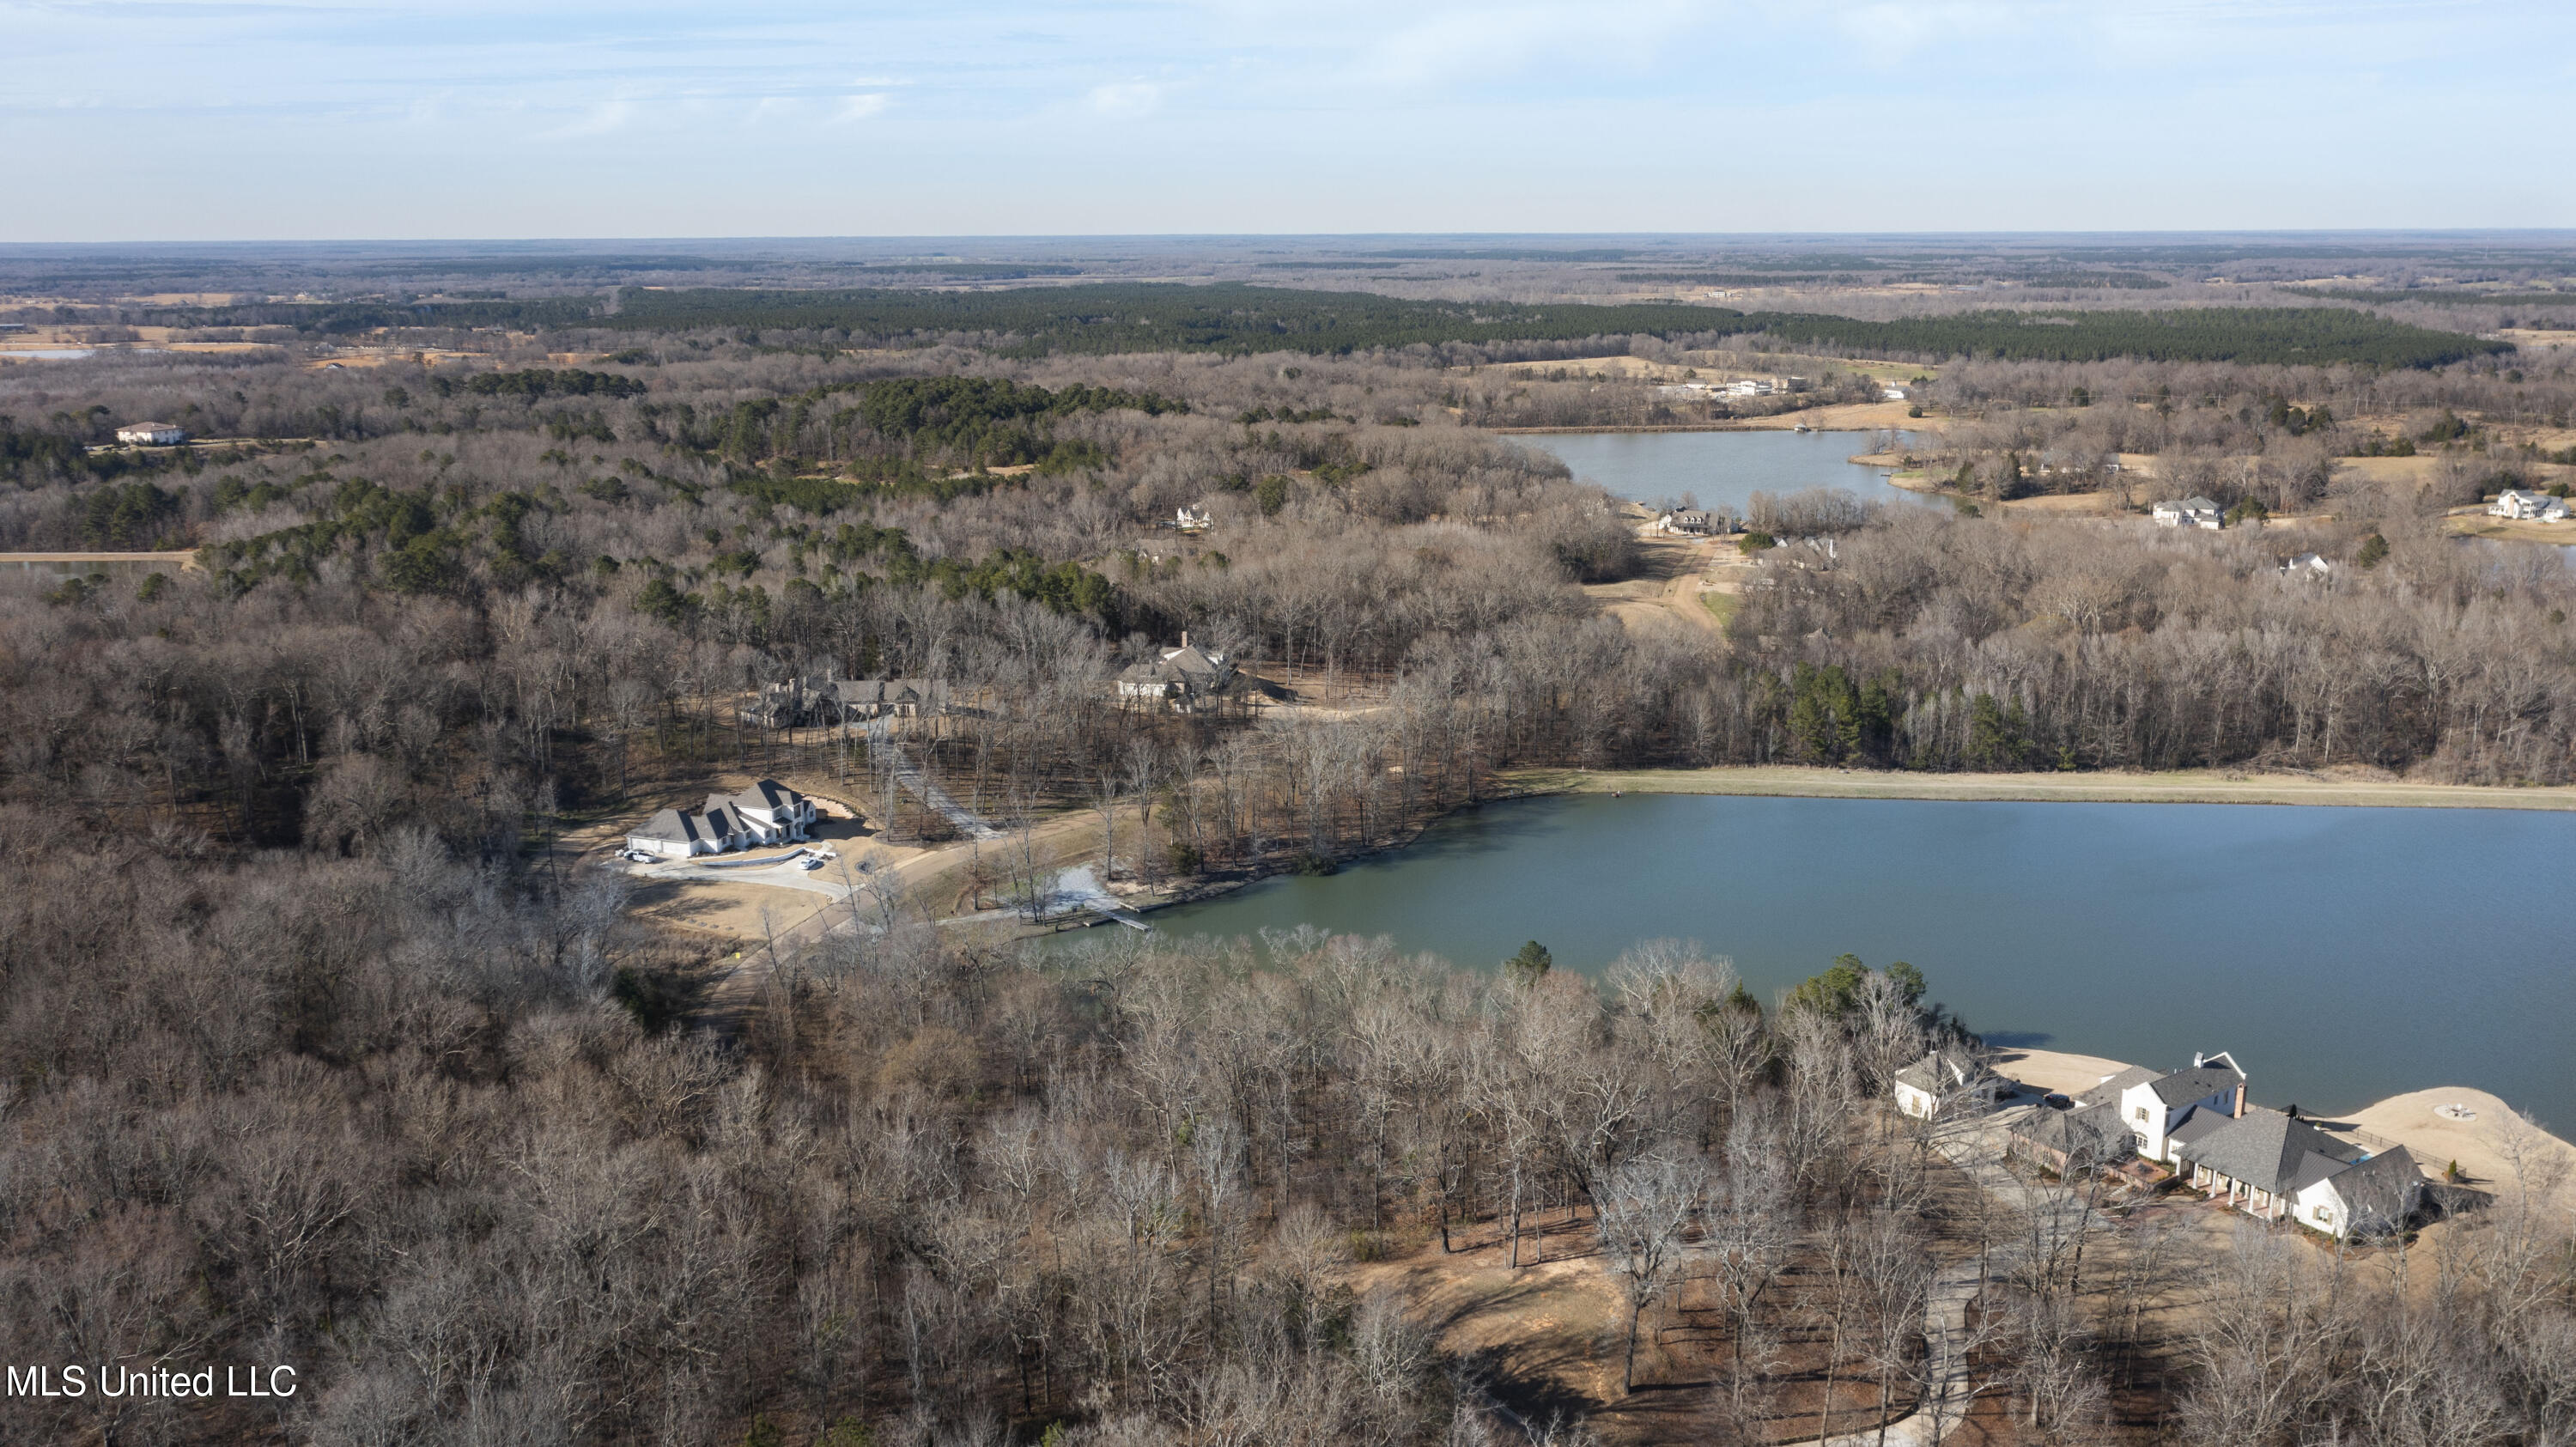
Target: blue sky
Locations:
point(202, 119)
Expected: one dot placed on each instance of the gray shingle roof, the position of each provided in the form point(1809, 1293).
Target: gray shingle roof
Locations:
point(2111, 1089)
point(1944, 1069)
point(670, 824)
point(2090, 1130)
point(721, 820)
point(2382, 1188)
point(2198, 1083)
point(768, 794)
point(2199, 1126)
point(2269, 1151)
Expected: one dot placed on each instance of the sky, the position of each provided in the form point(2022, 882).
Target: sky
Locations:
point(332, 119)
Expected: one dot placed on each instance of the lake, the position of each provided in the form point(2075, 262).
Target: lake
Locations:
point(2344, 955)
point(1721, 469)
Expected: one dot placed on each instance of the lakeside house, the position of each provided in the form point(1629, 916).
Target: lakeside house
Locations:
point(152, 434)
point(1946, 1081)
point(2513, 502)
point(1891, 394)
point(1183, 677)
point(2272, 1164)
point(2155, 1104)
point(766, 813)
point(1686, 520)
point(2190, 512)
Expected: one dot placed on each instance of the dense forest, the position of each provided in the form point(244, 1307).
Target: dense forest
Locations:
point(316, 1046)
point(1240, 319)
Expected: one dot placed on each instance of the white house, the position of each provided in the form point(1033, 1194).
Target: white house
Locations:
point(766, 813)
point(2513, 502)
point(1192, 519)
point(152, 434)
point(771, 805)
point(1891, 394)
point(2155, 1105)
point(2190, 512)
point(1948, 1077)
point(2274, 1165)
point(2308, 565)
point(1684, 520)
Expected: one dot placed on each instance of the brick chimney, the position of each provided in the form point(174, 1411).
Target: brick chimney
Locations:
point(2239, 1111)
point(1185, 638)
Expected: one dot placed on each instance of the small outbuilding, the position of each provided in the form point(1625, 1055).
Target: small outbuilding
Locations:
point(1947, 1081)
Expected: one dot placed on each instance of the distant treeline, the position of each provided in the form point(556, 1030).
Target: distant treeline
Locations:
point(1238, 319)
point(1149, 317)
point(1729, 278)
point(2449, 297)
point(2257, 336)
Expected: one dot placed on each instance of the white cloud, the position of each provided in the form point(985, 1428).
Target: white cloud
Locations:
point(1461, 43)
point(1126, 99)
point(854, 108)
point(600, 120)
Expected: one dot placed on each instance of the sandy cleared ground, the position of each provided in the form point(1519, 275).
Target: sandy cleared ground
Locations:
point(732, 910)
point(1665, 597)
point(2195, 786)
point(1842, 417)
point(2531, 339)
point(2484, 1147)
point(2057, 1070)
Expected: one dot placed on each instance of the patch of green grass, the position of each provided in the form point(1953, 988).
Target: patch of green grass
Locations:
point(1722, 605)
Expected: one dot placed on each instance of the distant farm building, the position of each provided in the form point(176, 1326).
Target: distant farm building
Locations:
point(2190, 512)
point(152, 434)
point(2535, 507)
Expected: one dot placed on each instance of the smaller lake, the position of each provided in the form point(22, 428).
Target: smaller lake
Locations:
point(2345, 955)
point(1720, 469)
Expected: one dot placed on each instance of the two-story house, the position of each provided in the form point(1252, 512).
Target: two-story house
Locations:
point(2154, 1104)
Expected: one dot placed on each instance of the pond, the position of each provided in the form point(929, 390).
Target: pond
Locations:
point(2343, 954)
point(1719, 469)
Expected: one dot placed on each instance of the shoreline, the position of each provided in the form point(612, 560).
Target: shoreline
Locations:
point(2189, 786)
point(1739, 425)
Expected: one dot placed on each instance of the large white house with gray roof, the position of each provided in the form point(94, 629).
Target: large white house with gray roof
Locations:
point(2272, 1164)
point(766, 813)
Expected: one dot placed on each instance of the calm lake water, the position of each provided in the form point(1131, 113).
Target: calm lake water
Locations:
point(1720, 468)
point(2344, 955)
